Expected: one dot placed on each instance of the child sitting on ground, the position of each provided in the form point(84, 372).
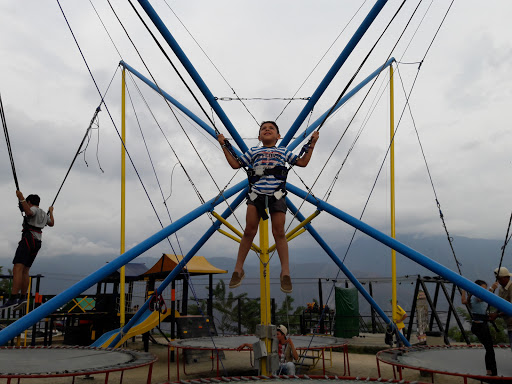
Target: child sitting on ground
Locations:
point(265, 192)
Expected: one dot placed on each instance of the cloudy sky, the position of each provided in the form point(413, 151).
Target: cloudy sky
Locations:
point(460, 107)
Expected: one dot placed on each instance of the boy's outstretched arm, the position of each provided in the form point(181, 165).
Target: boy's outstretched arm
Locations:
point(229, 157)
point(304, 160)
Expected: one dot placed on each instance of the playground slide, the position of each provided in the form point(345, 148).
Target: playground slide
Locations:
point(148, 321)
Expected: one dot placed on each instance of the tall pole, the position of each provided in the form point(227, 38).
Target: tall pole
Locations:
point(123, 196)
point(358, 35)
point(180, 54)
point(265, 291)
point(392, 191)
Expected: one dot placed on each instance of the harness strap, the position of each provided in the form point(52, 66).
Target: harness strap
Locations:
point(29, 227)
point(262, 202)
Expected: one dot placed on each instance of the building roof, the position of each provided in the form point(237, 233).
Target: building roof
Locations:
point(132, 271)
point(197, 265)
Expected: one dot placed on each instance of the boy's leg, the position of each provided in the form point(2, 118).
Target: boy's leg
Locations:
point(278, 220)
point(251, 228)
point(25, 280)
point(17, 278)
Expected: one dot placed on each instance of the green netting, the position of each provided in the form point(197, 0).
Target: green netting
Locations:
point(347, 312)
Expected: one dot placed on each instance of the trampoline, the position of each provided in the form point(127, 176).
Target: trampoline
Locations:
point(466, 361)
point(311, 348)
point(300, 379)
point(39, 362)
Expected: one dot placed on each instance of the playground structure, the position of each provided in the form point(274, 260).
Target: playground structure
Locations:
point(241, 189)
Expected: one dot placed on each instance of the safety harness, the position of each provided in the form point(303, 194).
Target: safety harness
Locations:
point(280, 172)
point(262, 202)
point(28, 227)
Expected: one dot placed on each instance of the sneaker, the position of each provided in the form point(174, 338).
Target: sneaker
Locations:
point(236, 279)
point(286, 284)
point(20, 304)
point(9, 303)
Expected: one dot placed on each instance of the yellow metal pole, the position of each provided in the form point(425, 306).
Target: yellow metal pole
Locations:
point(265, 290)
point(253, 247)
point(123, 196)
point(28, 306)
point(392, 177)
point(303, 224)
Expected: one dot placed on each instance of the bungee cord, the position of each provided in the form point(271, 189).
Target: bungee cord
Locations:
point(154, 172)
point(306, 146)
point(106, 107)
point(172, 110)
point(318, 129)
point(8, 142)
point(320, 60)
point(407, 103)
point(95, 125)
point(238, 98)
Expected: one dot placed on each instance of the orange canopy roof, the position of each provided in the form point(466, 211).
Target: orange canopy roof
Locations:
point(197, 265)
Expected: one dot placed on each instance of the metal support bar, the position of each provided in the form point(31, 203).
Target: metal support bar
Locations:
point(174, 273)
point(302, 136)
point(372, 15)
point(173, 101)
point(434, 312)
point(166, 34)
point(343, 268)
point(408, 252)
point(58, 301)
point(453, 310)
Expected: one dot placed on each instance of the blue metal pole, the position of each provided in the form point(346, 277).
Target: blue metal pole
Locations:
point(58, 301)
point(180, 266)
point(343, 268)
point(408, 252)
point(166, 34)
point(342, 101)
point(175, 102)
point(334, 70)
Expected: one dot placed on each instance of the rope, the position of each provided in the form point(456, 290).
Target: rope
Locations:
point(507, 239)
point(98, 109)
point(319, 61)
point(366, 58)
point(8, 142)
point(238, 98)
point(94, 118)
point(261, 98)
point(172, 110)
point(168, 59)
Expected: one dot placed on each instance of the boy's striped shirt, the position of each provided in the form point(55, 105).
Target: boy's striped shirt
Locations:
point(267, 157)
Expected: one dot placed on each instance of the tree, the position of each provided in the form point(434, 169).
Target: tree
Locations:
point(289, 316)
point(5, 284)
point(499, 335)
point(227, 307)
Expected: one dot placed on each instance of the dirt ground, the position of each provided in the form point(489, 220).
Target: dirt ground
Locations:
point(238, 363)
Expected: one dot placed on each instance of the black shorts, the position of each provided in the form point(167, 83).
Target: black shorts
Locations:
point(27, 249)
point(277, 206)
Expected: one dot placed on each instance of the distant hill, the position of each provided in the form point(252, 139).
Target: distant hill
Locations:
point(367, 259)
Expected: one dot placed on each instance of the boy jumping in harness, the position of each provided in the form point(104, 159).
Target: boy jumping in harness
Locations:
point(34, 221)
point(267, 179)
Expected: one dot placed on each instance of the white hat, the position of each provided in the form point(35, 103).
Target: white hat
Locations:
point(503, 272)
point(283, 329)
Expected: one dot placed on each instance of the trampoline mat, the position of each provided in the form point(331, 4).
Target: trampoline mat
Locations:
point(467, 361)
point(53, 361)
point(302, 379)
point(232, 342)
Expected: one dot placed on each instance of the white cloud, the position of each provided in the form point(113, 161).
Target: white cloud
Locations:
point(265, 49)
